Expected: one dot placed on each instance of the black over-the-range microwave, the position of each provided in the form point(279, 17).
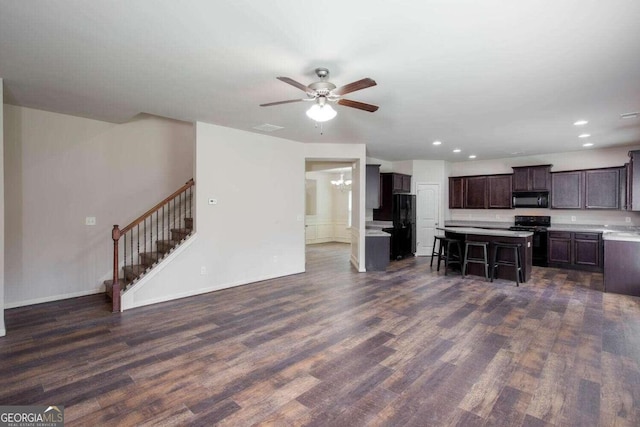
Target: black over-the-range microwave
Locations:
point(528, 199)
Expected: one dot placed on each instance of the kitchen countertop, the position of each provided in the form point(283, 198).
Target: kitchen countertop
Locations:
point(376, 233)
point(378, 225)
point(625, 236)
point(480, 224)
point(486, 232)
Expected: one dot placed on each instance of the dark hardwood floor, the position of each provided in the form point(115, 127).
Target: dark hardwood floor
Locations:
point(333, 347)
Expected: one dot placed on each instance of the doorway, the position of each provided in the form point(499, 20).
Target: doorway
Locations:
point(428, 216)
point(351, 231)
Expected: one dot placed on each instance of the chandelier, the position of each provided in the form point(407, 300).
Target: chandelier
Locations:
point(342, 184)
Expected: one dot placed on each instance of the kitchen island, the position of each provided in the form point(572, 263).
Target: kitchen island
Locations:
point(494, 236)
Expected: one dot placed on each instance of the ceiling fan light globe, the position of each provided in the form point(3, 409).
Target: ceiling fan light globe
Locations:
point(321, 113)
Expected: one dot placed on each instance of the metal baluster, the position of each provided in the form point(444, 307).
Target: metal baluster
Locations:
point(131, 254)
point(157, 234)
point(125, 258)
point(144, 234)
point(138, 227)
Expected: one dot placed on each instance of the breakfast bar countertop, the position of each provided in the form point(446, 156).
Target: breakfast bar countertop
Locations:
point(486, 232)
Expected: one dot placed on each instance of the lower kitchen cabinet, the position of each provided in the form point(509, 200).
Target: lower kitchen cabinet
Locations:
point(559, 248)
point(580, 251)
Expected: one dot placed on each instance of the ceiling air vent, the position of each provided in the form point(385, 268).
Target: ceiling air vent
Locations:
point(633, 115)
point(267, 127)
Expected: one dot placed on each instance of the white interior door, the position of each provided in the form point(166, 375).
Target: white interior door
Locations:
point(428, 217)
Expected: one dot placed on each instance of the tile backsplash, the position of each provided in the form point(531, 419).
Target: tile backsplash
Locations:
point(558, 216)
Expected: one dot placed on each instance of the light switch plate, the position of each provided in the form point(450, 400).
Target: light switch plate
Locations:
point(213, 201)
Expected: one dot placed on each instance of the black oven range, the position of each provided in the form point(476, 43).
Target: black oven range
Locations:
point(538, 225)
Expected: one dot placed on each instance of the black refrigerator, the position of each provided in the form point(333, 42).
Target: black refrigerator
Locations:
point(403, 236)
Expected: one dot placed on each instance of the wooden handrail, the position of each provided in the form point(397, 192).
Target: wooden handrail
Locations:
point(156, 207)
point(116, 233)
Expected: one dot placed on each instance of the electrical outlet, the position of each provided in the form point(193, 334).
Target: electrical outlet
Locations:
point(627, 219)
point(90, 220)
point(203, 270)
point(573, 218)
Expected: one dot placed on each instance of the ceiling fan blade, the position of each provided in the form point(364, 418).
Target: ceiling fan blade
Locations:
point(296, 84)
point(281, 102)
point(359, 105)
point(352, 87)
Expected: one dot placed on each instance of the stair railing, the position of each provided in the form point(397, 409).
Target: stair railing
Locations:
point(163, 217)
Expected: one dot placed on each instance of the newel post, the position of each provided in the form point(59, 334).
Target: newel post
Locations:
point(115, 235)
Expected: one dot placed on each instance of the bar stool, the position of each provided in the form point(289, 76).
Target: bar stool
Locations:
point(449, 257)
point(468, 258)
point(434, 252)
point(516, 263)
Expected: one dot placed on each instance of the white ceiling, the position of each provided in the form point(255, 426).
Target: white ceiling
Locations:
point(490, 77)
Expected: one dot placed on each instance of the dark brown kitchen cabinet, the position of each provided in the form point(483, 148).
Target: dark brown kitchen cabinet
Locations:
point(500, 189)
point(587, 189)
point(567, 190)
point(574, 250)
point(390, 184)
point(401, 183)
point(475, 192)
point(372, 200)
point(587, 249)
point(532, 178)
point(456, 193)
point(602, 188)
point(559, 247)
point(480, 192)
point(634, 181)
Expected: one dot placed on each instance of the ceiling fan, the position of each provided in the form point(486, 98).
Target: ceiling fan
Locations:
point(323, 92)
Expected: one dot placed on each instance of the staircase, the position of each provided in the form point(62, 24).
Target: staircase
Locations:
point(167, 225)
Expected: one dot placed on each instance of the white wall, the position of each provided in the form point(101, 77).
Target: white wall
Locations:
point(3, 330)
point(586, 159)
point(254, 232)
point(330, 222)
point(61, 169)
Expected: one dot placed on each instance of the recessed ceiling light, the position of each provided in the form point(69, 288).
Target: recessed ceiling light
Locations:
point(457, 150)
point(581, 122)
point(473, 156)
point(584, 135)
point(437, 142)
point(588, 144)
point(633, 115)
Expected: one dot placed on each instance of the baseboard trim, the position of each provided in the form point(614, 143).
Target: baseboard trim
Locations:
point(55, 298)
point(206, 290)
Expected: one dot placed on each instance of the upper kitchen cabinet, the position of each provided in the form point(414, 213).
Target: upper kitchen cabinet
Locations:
point(588, 189)
point(401, 182)
point(475, 190)
point(567, 190)
point(500, 189)
point(602, 188)
point(456, 193)
point(390, 184)
point(372, 200)
point(532, 178)
point(480, 192)
point(633, 180)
